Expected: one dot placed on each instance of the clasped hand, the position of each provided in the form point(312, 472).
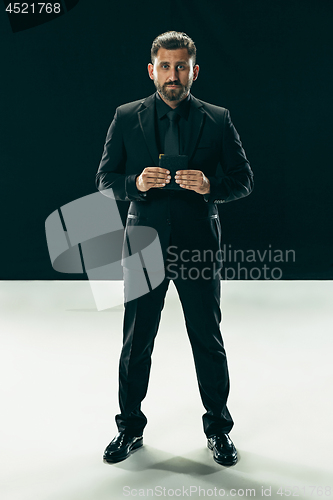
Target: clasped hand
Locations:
point(157, 177)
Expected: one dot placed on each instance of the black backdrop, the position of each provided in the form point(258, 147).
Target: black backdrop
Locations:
point(269, 63)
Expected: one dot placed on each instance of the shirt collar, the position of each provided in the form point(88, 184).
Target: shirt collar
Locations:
point(183, 108)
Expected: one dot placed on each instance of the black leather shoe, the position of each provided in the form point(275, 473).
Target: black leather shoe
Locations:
point(121, 447)
point(224, 451)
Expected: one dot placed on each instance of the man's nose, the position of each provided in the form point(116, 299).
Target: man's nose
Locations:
point(173, 75)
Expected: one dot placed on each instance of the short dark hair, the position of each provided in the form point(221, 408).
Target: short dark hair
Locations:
point(171, 40)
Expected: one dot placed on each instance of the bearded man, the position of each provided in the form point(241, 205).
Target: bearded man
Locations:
point(173, 123)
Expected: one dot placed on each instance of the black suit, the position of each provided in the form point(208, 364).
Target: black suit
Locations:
point(187, 221)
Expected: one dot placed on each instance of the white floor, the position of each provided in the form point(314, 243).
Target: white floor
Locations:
point(59, 363)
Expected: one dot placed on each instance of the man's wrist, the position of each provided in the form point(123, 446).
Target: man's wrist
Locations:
point(132, 192)
point(206, 186)
point(137, 183)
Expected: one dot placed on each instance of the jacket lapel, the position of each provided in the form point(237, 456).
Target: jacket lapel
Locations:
point(147, 123)
point(196, 122)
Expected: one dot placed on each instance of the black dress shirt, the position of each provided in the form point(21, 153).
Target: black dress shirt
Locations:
point(162, 122)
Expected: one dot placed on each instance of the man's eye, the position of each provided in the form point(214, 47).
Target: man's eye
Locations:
point(165, 66)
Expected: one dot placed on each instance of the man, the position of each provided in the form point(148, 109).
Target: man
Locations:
point(172, 121)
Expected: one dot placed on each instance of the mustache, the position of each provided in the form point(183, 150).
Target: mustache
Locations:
point(172, 83)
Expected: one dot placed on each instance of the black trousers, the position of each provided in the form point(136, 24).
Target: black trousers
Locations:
point(200, 301)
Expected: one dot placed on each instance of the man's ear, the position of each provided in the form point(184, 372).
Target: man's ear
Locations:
point(151, 71)
point(195, 72)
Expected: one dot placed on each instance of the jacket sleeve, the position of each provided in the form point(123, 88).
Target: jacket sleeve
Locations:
point(237, 180)
point(111, 178)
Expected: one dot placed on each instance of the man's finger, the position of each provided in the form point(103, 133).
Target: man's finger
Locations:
point(157, 169)
point(189, 181)
point(193, 172)
point(156, 176)
point(189, 176)
point(154, 183)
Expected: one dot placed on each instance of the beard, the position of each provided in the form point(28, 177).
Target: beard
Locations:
point(173, 94)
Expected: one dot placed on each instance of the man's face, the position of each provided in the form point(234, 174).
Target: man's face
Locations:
point(173, 73)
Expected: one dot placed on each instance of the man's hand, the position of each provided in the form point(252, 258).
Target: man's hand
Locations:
point(194, 180)
point(152, 177)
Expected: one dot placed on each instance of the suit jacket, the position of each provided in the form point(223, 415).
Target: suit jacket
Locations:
point(185, 219)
